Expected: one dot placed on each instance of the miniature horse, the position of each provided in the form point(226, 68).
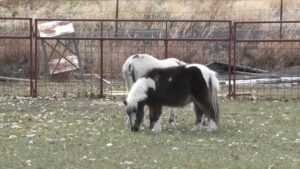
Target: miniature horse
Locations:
point(175, 87)
point(136, 66)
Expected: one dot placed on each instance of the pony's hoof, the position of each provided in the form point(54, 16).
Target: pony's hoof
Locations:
point(172, 121)
point(212, 126)
point(173, 124)
point(156, 128)
point(134, 129)
point(211, 130)
point(197, 127)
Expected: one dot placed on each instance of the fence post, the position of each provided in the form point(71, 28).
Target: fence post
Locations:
point(166, 41)
point(281, 9)
point(35, 72)
point(101, 62)
point(229, 59)
point(30, 59)
point(117, 17)
point(234, 60)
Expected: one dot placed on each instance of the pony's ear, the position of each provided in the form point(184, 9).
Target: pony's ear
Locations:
point(125, 102)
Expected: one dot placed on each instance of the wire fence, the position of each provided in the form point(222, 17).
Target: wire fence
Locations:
point(262, 65)
point(103, 52)
point(15, 52)
point(270, 52)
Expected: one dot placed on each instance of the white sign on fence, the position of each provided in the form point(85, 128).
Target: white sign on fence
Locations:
point(55, 28)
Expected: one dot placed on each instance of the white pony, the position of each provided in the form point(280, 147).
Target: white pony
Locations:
point(138, 65)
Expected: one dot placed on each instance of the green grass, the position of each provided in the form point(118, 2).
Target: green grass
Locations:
point(92, 134)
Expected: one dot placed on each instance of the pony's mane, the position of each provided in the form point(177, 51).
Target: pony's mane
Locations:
point(138, 92)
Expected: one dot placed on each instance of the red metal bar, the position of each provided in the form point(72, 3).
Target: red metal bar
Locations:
point(35, 73)
point(101, 63)
point(166, 48)
point(30, 59)
point(117, 17)
point(135, 39)
point(265, 22)
point(229, 60)
point(281, 8)
point(234, 60)
point(166, 41)
point(134, 20)
point(269, 40)
point(117, 10)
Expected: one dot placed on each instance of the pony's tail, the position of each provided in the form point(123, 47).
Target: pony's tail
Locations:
point(131, 74)
point(215, 87)
point(128, 75)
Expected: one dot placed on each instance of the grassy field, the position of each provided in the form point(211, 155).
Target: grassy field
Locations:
point(38, 133)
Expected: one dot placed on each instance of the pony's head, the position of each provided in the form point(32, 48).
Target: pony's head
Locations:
point(135, 101)
point(135, 115)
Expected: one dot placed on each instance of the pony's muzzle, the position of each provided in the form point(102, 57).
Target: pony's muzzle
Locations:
point(134, 129)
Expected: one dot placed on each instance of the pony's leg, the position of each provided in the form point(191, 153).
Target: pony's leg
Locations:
point(199, 117)
point(212, 126)
point(151, 111)
point(204, 119)
point(207, 107)
point(172, 117)
point(154, 116)
point(128, 121)
point(212, 122)
point(144, 122)
point(157, 126)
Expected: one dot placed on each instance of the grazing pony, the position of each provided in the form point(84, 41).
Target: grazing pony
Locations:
point(136, 66)
point(175, 87)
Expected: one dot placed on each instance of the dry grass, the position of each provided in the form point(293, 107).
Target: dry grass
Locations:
point(156, 9)
point(79, 134)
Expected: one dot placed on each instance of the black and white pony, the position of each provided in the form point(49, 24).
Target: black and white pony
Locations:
point(175, 87)
point(136, 66)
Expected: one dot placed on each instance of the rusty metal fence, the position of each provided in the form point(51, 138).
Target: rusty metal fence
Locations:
point(266, 60)
point(87, 62)
point(16, 75)
point(102, 49)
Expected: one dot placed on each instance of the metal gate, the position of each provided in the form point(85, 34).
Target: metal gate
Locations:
point(16, 64)
point(266, 62)
point(104, 45)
